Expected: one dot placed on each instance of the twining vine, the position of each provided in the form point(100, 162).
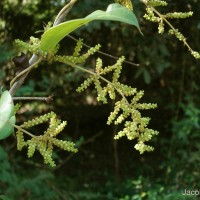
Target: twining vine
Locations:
point(127, 108)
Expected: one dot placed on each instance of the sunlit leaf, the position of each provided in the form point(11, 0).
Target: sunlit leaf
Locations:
point(114, 12)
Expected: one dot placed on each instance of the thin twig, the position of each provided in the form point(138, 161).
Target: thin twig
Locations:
point(23, 130)
point(49, 98)
point(105, 54)
point(24, 72)
point(63, 13)
point(18, 82)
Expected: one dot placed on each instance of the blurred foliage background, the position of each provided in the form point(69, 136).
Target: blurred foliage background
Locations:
point(104, 168)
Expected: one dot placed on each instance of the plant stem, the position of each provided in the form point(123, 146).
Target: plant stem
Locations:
point(105, 54)
point(23, 130)
point(63, 13)
point(33, 98)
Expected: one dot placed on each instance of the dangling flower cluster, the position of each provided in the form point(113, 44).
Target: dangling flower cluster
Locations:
point(154, 16)
point(126, 3)
point(177, 15)
point(177, 34)
point(76, 58)
point(44, 143)
point(124, 110)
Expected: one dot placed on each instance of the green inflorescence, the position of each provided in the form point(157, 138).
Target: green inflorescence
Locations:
point(179, 15)
point(151, 16)
point(154, 16)
point(155, 3)
point(125, 111)
point(44, 143)
point(126, 3)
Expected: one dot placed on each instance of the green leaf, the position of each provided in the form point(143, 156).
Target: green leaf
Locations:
point(54, 35)
point(114, 12)
point(6, 115)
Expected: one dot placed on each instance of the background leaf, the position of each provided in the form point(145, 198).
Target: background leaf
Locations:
point(115, 12)
point(6, 114)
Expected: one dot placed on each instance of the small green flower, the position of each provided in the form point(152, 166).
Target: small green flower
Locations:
point(124, 110)
point(155, 3)
point(161, 27)
point(177, 34)
point(179, 15)
point(126, 3)
point(195, 54)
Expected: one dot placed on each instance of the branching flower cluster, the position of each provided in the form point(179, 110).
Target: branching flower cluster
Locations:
point(44, 143)
point(154, 16)
point(127, 112)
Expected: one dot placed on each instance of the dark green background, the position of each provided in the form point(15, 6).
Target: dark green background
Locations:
point(104, 168)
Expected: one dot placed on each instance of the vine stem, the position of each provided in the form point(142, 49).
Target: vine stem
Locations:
point(170, 25)
point(63, 13)
point(26, 71)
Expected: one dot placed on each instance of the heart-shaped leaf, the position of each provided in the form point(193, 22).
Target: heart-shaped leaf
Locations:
point(7, 117)
point(114, 12)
